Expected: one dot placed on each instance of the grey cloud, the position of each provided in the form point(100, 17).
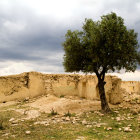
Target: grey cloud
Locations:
point(40, 39)
point(37, 37)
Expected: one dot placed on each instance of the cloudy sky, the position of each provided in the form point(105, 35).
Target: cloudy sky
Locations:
point(32, 31)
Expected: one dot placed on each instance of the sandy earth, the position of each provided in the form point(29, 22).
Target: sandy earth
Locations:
point(65, 104)
point(32, 108)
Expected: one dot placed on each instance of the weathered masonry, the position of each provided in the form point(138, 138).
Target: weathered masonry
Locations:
point(32, 84)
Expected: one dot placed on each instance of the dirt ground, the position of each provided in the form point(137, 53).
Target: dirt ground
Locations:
point(33, 119)
point(64, 104)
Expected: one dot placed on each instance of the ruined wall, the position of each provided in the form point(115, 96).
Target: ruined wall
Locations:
point(132, 87)
point(33, 84)
point(10, 86)
point(21, 86)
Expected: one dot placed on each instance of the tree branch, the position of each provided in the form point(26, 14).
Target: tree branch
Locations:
point(97, 73)
point(102, 74)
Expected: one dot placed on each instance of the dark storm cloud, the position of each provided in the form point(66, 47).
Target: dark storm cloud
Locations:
point(35, 37)
point(27, 36)
point(12, 54)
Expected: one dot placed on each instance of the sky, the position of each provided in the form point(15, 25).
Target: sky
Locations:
point(32, 31)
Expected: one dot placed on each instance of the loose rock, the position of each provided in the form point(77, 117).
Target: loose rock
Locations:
point(28, 132)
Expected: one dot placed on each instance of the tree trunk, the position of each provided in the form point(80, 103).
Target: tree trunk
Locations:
point(104, 105)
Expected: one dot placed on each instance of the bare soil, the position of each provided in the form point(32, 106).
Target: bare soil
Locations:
point(63, 105)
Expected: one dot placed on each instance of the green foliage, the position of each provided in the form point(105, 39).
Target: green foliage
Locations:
point(68, 114)
point(1, 125)
point(53, 113)
point(101, 46)
point(62, 96)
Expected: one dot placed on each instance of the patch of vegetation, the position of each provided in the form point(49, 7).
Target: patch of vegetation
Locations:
point(1, 124)
point(62, 96)
point(96, 127)
point(53, 113)
point(4, 119)
point(68, 114)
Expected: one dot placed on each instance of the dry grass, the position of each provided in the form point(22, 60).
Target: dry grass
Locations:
point(96, 127)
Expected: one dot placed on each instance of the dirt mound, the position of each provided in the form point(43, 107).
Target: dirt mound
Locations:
point(63, 105)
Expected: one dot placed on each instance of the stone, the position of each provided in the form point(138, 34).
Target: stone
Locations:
point(109, 128)
point(120, 106)
point(31, 114)
point(127, 129)
point(12, 119)
point(129, 125)
point(6, 134)
point(21, 111)
point(138, 101)
point(27, 99)
point(120, 129)
point(89, 126)
point(116, 111)
point(118, 118)
point(98, 125)
point(28, 132)
point(67, 119)
point(134, 111)
point(42, 122)
point(84, 122)
point(73, 122)
point(100, 114)
point(80, 138)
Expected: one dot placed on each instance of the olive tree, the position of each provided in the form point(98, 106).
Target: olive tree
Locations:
point(102, 46)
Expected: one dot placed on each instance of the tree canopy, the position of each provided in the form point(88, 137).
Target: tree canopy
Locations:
point(102, 46)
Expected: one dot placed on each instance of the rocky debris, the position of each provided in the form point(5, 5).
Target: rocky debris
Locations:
point(14, 122)
point(135, 111)
point(88, 126)
point(67, 119)
point(6, 134)
point(118, 118)
point(109, 128)
point(32, 114)
point(28, 132)
point(129, 125)
point(116, 111)
point(120, 129)
point(59, 119)
point(127, 129)
point(12, 119)
point(132, 98)
point(46, 123)
point(99, 113)
point(138, 119)
point(26, 99)
point(98, 125)
point(80, 138)
point(84, 122)
point(21, 111)
point(120, 106)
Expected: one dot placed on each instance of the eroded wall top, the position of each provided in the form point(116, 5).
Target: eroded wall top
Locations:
point(31, 84)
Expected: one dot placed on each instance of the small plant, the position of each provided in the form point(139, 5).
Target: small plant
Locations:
point(1, 125)
point(68, 114)
point(62, 96)
point(53, 112)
